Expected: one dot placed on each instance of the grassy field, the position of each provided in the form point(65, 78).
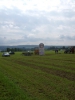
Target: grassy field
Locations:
point(48, 77)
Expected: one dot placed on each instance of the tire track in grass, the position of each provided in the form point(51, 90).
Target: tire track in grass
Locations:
point(56, 64)
point(54, 71)
point(46, 62)
point(44, 88)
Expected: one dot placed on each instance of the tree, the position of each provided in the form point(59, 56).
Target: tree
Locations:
point(8, 49)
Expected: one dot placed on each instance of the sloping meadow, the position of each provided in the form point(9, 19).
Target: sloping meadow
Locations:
point(48, 77)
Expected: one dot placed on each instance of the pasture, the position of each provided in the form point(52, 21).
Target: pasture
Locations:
point(48, 77)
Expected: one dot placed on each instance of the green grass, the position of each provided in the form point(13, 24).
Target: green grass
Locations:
point(48, 77)
point(9, 90)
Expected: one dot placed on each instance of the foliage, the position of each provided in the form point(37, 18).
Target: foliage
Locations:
point(14, 49)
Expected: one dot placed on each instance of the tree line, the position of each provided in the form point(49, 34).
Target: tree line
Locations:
point(13, 49)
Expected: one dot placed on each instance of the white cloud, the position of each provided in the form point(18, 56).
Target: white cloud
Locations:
point(42, 5)
point(34, 21)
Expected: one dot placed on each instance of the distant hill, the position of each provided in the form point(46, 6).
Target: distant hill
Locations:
point(3, 48)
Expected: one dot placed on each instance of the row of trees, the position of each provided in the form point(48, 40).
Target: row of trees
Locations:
point(54, 47)
point(19, 49)
point(13, 49)
point(32, 49)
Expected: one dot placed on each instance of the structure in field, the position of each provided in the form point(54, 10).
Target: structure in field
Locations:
point(36, 51)
point(41, 49)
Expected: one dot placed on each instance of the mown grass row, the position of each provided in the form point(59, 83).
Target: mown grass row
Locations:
point(10, 91)
point(49, 77)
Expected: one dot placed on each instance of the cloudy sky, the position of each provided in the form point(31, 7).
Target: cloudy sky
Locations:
point(24, 22)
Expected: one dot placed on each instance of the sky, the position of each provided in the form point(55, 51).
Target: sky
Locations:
point(31, 22)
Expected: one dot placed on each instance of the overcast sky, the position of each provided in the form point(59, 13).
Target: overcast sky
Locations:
point(24, 22)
